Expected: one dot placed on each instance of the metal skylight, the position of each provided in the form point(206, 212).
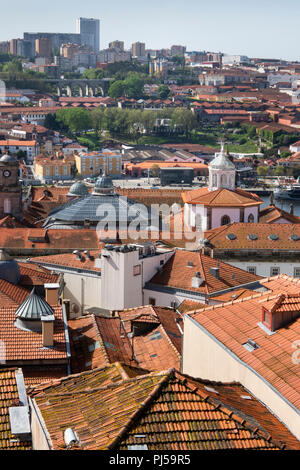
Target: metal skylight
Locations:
point(231, 236)
point(294, 237)
point(250, 345)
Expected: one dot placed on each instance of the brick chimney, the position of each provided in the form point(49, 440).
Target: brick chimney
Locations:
point(52, 291)
point(48, 329)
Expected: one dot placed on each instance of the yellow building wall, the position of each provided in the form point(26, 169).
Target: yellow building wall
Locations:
point(94, 164)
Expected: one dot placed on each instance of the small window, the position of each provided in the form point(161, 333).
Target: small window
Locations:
point(297, 272)
point(137, 270)
point(274, 271)
point(250, 218)
point(152, 301)
point(251, 269)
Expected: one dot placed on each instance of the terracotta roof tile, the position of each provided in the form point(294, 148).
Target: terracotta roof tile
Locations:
point(165, 411)
point(219, 240)
point(70, 260)
point(272, 360)
point(271, 214)
point(9, 396)
point(21, 345)
point(181, 268)
point(97, 341)
point(221, 197)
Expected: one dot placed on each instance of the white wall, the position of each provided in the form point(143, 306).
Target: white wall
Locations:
point(120, 288)
point(263, 268)
point(205, 358)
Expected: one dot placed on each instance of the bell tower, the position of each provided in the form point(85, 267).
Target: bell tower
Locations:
point(221, 172)
point(10, 187)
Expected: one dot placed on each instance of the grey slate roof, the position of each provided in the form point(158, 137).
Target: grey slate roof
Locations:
point(95, 207)
point(34, 307)
point(78, 189)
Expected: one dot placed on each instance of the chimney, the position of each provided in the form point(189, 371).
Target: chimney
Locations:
point(47, 329)
point(52, 291)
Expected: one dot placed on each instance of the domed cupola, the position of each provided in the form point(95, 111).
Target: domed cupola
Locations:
point(31, 312)
point(221, 172)
point(78, 189)
point(104, 185)
point(9, 269)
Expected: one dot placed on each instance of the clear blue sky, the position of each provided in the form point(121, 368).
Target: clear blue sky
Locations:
point(257, 28)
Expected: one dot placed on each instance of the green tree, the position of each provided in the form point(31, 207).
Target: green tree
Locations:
point(116, 89)
point(186, 119)
point(262, 170)
point(163, 91)
point(77, 120)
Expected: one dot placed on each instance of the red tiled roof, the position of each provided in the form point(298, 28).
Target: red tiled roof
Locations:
point(221, 197)
point(233, 323)
point(177, 273)
point(21, 345)
point(272, 213)
point(33, 275)
point(60, 240)
point(70, 260)
point(12, 295)
point(9, 397)
point(218, 237)
point(97, 341)
point(168, 410)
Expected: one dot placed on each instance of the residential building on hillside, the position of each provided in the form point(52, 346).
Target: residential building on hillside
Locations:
point(49, 170)
point(30, 147)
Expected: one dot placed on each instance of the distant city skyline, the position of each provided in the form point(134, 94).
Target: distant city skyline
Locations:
point(260, 28)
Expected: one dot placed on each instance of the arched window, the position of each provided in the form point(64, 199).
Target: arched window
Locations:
point(225, 220)
point(214, 180)
point(250, 218)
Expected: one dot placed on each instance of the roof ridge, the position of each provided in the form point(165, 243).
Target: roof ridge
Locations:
point(106, 387)
point(231, 414)
point(169, 340)
point(101, 339)
point(146, 403)
point(224, 304)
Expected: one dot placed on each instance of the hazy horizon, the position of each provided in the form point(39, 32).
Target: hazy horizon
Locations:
point(260, 28)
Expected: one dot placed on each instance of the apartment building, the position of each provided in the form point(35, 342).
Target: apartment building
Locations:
point(98, 162)
point(53, 170)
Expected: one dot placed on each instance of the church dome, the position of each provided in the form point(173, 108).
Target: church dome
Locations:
point(103, 184)
point(9, 269)
point(7, 158)
point(222, 162)
point(78, 189)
